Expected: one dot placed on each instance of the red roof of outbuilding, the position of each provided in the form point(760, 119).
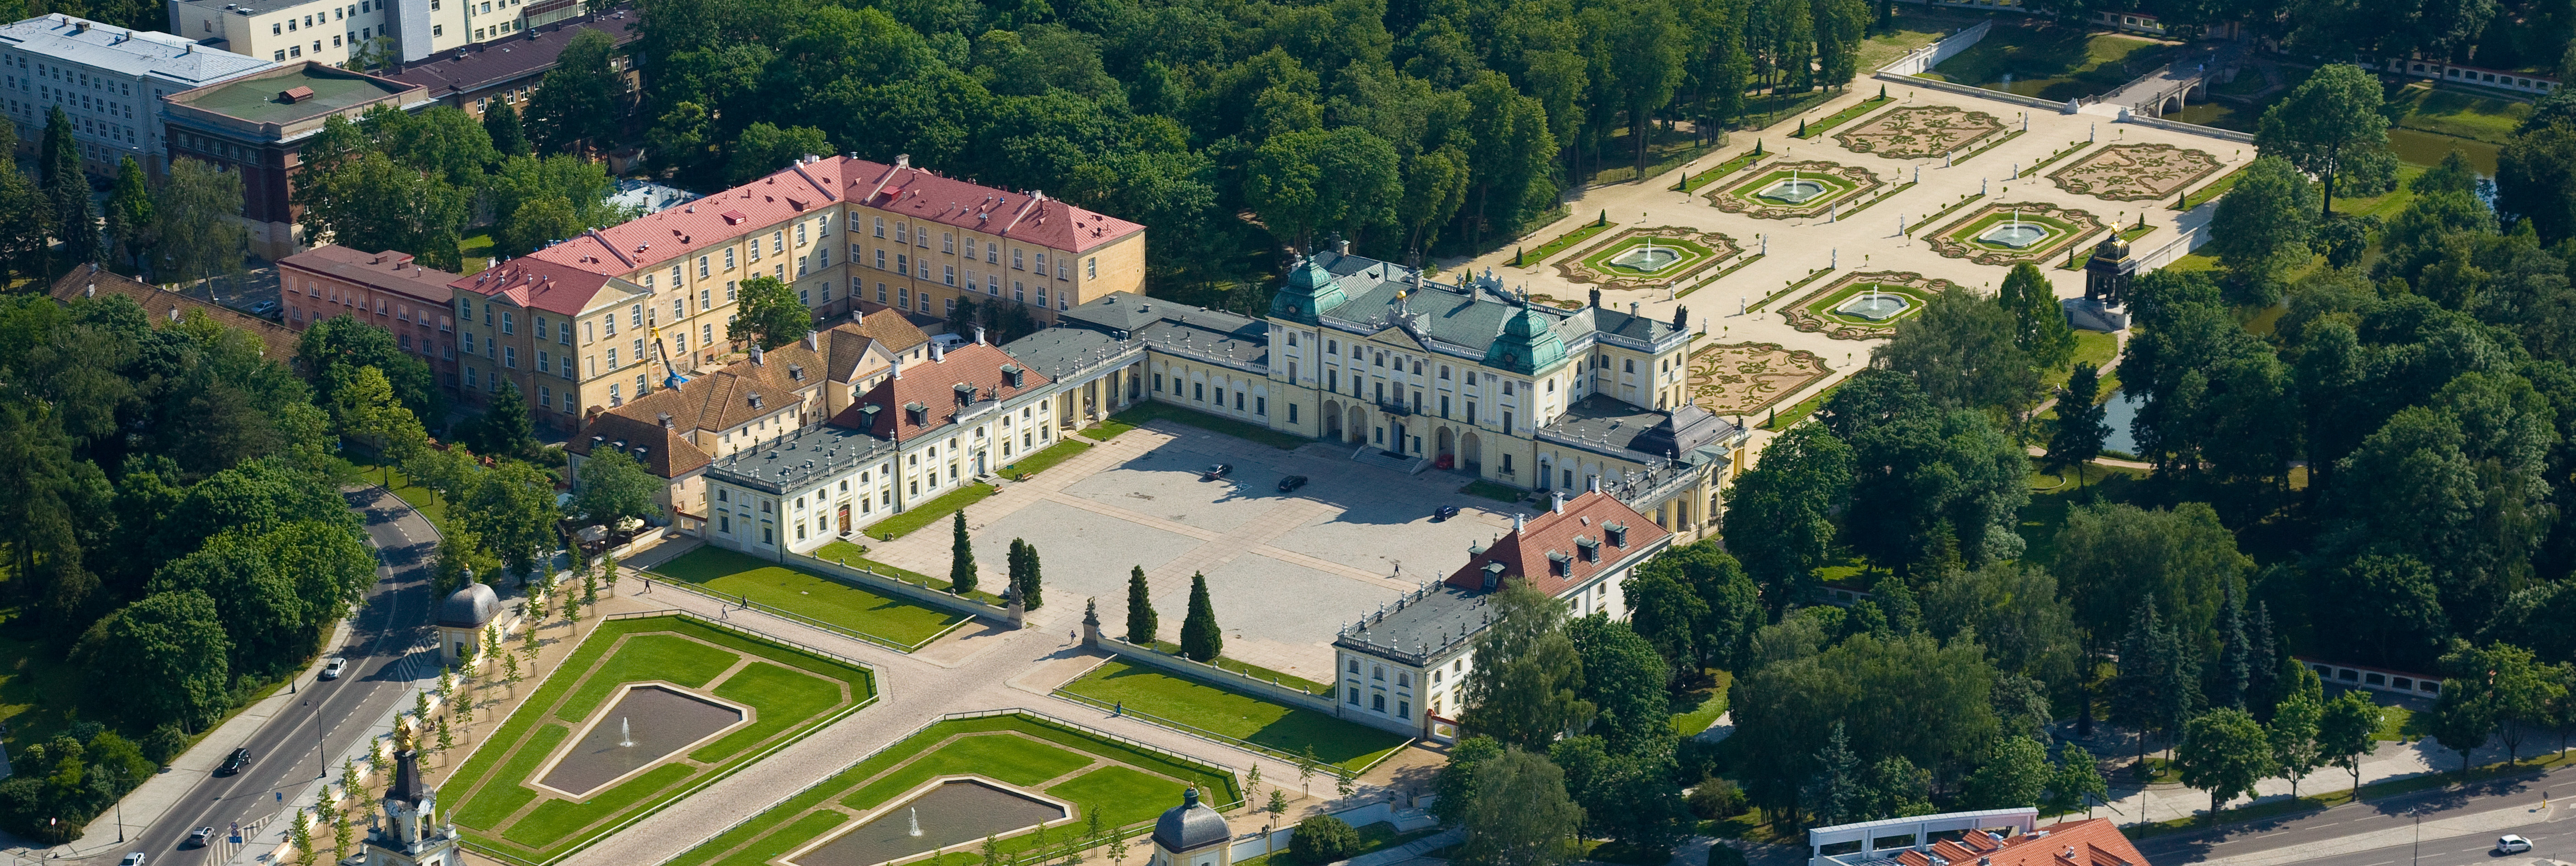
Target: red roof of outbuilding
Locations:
point(1526, 552)
point(2089, 842)
point(934, 386)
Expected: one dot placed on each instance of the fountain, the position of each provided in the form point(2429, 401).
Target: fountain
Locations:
point(2015, 233)
point(625, 735)
point(1794, 189)
point(1874, 306)
point(914, 812)
point(1647, 259)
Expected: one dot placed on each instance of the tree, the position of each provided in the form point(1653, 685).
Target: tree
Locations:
point(1780, 516)
point(2329, 124)
point(513, 510)
point(1323, 839)
point(2111, 555)
point(1523, 687)
point(2039, 324)
point(504, 429)
point(501, 122)
point(1201, 639)
point(2293, 734)
point(2348, 730)
point(2517, 690)
point(2223, 752)
point(26, 223)
point(615, 487)
point(1667, 615)
point(1520, 814)
point(2536, 179)
point(129, 212)
point(196, 231)
point(537, 223)
point(2464, 717)
point(1624, 680)
point(170, 652)
point(2262, 223)
point(371, 201)
point(1965, 353)
point(1142, 624)
point(2015, 773)
point(763, 148)
point(2080, 431)
point(1024, 573)
point(68, 188)
point(961, 556)
point(1910, 696)
point(2078, 782)
point(770, 315)
point(2017, 612)
point(328, 347)
point(581, 101)
point(365, 410)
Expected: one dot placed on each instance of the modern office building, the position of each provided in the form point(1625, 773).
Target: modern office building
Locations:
point(331, 31)
point(387, 289)
point(257, 125)
point(108, 80)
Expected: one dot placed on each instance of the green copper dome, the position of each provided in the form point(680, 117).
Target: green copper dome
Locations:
point(1311, 292)
point(1528, 344)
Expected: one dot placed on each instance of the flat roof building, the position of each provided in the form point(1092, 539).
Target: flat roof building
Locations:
point(471, 77)
point(108, 80)
point(257, 125)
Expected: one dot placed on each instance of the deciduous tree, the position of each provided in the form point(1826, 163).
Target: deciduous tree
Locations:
point(2223, 752)
point(770, 315)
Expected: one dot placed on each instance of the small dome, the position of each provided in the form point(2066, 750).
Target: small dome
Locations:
point(470, 606)
point(2113, 248)
point(1190, 825)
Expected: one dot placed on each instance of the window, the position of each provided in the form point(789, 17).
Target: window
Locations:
point(702, 267)
point(729, 265)
point(510, 357)
point(880, 226)
point(947, 242)
point(1355, 695)
point(1015, 261)
point(1091, 268)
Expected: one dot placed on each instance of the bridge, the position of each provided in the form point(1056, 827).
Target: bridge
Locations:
point(2175, 84)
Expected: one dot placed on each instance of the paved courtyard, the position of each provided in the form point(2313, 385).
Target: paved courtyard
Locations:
point(1285, 571)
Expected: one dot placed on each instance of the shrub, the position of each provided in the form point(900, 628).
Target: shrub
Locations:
point(1722, 854)
point(1714, 798)
point(1323, 839)
point(165, 743)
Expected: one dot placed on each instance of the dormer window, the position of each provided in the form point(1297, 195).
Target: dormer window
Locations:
point(755, 401)
point(1617, 533)
point(917, 413)
point(1559, 564)
point(965, 393)
point(1493, 575)
point(796, 372)
point(1011, 375)
point(1589, 548)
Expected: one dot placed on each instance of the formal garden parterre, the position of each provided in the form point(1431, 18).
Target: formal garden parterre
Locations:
point(1920, 131)
point(1744, 378)
point(1649, 258)
point(2010, 233)
point(1864, 306)
point(1038, 782)
point(1258, 724)
point(644, 712)
point(1796, 189)
point(2135, 172)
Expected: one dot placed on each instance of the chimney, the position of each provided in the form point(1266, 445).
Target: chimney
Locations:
point(979, 335)
point(894, 368)
point(1556, 502)
point(1592, 484)
point(756, 360)
point(812, 343)
point(935, 356)
point(1633, 307)
point(1596, 297)
point(1518, 520)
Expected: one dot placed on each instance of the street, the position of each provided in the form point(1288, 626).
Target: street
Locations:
point(2391, 819)
point(387, 649)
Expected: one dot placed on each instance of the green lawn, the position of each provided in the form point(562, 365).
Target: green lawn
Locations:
point(902, 624)
point(1129, 786)
point(927, 513)
point(1531, 258)
point(1373, 837)
point(1493, 491)
point(1778, 418)
point(474, 249)
point(851, 554)
point(2055, 64)
point(422, 499)
point(1699, 708)
point(792, 692)
point(1276, 728)
point(2213, 189)
point(2092, 349)
point(41, 692)
point(1820, 127)
point(1046, 458)
point(2449, 112)
point(1255, 671)
point(1154, 410)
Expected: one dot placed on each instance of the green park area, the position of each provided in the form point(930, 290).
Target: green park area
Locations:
point(834, 604)
point(1646, 255)
point(1124, 784)
point(1869, 305)
point(2051, 63)
point(1791, 189)
point(1234, 716)
point(927, 513)
point(510, 796)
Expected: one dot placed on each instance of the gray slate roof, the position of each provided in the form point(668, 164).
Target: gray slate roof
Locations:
point(1603, 420)
point(183, 63)
point(1467, 314)
point(470, 606)
point(1190, 825)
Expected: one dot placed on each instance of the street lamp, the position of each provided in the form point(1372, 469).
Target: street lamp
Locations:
point(2418, 812)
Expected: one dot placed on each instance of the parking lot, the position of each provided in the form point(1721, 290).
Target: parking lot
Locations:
point(1285, 571)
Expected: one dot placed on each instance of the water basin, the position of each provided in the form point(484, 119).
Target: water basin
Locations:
point(2015, 235)
point(1876, 308)
point(1793, 190)
point(1647, 259)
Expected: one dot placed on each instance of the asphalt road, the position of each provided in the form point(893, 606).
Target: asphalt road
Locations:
point(2550, 838)
point(389, 640)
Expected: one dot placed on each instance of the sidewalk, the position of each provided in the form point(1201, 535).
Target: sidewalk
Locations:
point(2394, 760)
point(2446, 828)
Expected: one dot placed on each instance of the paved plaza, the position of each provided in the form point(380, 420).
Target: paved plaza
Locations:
point(1285, 571)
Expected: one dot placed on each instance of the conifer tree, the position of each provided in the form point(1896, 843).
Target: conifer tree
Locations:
point(961, 557)
point(1201, 640)
point(1141, 622)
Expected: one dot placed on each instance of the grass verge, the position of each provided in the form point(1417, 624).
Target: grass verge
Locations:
point(1981, 149)
point(1844, 116)
point(1700, 707)
point(1945, 213)
point(2315, 802)
point(1493, 491)
point(1532, 258)
point(1720, 275)
point(2213, 190)
point(1254, 671)
point(1799, 412)
point(1693, 183)
point(2034, 168)
point(895, 622)
point(1278, 729)
point(1046, 458)
point(927, 513)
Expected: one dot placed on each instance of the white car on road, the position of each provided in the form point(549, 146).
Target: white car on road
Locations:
point(2512, 844)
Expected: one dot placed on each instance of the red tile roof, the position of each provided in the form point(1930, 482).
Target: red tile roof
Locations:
point(718, 219)
point(925, 195)
point(388, 271)
point(539, 284)
point(163, 307)
point(2089, 842)
point(935, 388)
point(1579, 537)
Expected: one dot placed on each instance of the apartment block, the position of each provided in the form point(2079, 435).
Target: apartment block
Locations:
point(332, 31)
point(108, 80)
point(386, 289)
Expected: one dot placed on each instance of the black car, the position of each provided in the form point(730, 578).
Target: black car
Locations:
point(1291, 483)
point(1217, 471)
point(1444, 512)
point(233, 763)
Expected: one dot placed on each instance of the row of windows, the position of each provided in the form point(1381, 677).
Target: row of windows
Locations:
point(903, 234)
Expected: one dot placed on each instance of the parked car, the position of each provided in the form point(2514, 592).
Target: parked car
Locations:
point(1443, 513)
point(233, 763)
point(1291, 483)
point(2512, 844)
point(201, 837)
point(263, 308)
point(1217, 471)
point(332, 671)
